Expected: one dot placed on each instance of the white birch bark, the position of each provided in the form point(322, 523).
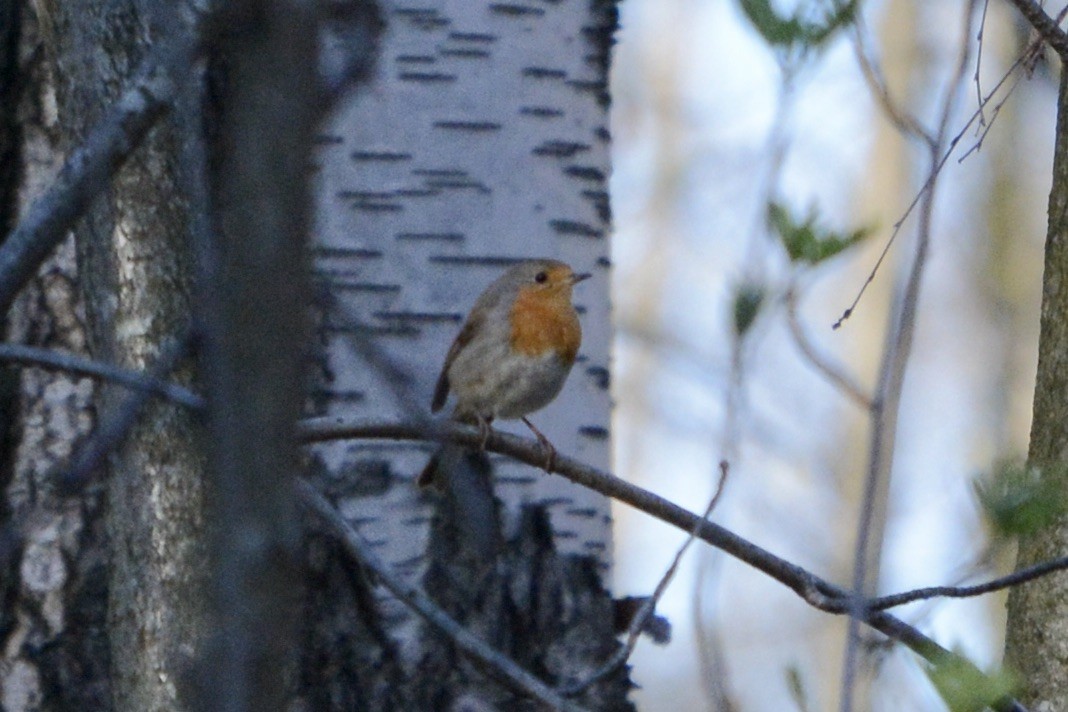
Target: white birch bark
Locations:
point(481, 139)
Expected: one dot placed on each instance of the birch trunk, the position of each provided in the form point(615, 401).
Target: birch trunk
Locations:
point(482, 139)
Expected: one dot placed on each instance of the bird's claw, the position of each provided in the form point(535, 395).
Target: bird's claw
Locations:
point(550, 451)
point(550, 454)
point(484, 431)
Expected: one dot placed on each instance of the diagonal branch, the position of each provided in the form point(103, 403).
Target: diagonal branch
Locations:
point(116, 422)
point(810, 587)
point(833, 372)
point(71, 363)
point(1044, 25)
point(648, 607)
point(151, 94)
point(977, 116)
point(504, 668)
point(88, 169)
point(816, 591)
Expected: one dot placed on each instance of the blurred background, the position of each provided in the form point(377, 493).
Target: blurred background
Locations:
point(710, 123)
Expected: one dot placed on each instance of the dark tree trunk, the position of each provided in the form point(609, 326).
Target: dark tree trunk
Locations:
point(1037, 623)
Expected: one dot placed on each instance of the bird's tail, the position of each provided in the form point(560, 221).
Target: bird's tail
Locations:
point(465, 479)
point(430, 473)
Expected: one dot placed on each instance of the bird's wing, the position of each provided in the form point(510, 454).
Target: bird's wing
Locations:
point(470, 328)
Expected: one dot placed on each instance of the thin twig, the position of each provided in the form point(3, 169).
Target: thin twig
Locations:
point(886, 250)
point(500, 665)
point(833, 372)
point(1017, 577)
point(923, 613)
point(892, 377)
point(979, 37)
point(118, 421)
point(714, 678)
point(648, 607)
point(898, 118)
point(70, 363)
point(1024, 60)
point(904, 122)
point(814, 590)
point(986, 126)
point(1044, 25)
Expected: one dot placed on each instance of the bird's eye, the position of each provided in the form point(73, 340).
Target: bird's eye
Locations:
point(540, 277)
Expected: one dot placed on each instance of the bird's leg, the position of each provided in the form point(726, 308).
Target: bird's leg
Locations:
point(484, 431)
point(550, 451)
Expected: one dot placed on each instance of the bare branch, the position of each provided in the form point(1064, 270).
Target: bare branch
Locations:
point(985, 125)
point(895, 361)
point(56, 361)
point(1026, 61)
point(832, 371)
point(907, 125)
point(506, 670)
point(816, 591)
point(648, 607)
point(1017, 577)
point(88, 169)
point(808, 586)
point(979, 37)
point(1044, 25)
point(904, 122)
point(117, 421)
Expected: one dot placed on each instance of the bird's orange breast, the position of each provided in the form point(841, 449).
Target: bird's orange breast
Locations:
point(544, 322)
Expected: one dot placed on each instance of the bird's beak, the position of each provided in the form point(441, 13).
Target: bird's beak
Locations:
point(576, 278)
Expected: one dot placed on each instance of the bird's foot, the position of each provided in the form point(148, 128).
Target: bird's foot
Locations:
point(550, 451)
point(484, 431)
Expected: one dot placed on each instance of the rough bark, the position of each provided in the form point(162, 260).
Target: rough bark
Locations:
point(1037, 625)
point(52, 546)
point(134, 270)
point(10, 132)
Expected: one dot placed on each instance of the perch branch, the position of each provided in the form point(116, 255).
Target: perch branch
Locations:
point(816, 591)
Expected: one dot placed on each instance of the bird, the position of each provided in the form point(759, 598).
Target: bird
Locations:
point(513, 353)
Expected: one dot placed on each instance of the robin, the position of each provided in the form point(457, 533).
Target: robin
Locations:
point(514, 352)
